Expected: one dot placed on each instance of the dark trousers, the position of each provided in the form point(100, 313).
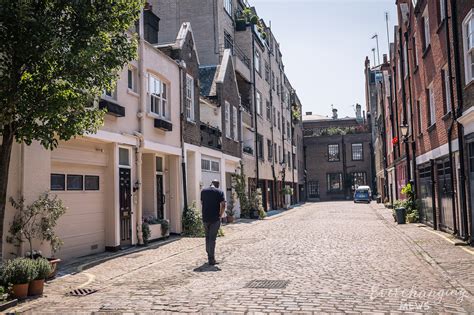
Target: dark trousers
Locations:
point(211, 229)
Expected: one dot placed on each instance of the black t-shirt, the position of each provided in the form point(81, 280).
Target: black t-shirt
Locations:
point(211, 198)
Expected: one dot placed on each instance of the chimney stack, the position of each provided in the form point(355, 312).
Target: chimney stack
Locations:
point(309, 113)
point(334, 113)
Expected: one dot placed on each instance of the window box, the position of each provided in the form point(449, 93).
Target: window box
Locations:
point(163, 124)
point(432, 127)
point(156, 231)
point(113, 109)
point(240, 25)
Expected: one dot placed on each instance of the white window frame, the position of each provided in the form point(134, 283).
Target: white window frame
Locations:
point(234, 123)
point(129, 166)
point(258, 62)
point(405, 59)
point(134, 77)
point(447, 91)
point(163, 101)
point(228, 7)
point(259, 103)
point(415, 51)
point(431, 100)
point(468, 44)
point(426, 28)
point(189, 102)
point(227, 120)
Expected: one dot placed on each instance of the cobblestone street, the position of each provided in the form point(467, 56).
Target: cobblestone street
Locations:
point(335, 257)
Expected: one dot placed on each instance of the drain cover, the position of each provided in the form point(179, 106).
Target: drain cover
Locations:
point(81, 292)
point(267, 284)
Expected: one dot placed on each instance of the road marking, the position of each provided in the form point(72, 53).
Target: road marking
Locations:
point(449, 240)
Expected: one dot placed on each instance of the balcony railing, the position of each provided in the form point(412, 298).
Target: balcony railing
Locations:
point(236, 51)
point(211, 137)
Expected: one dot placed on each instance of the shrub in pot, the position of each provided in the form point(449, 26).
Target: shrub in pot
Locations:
point(43, 269)
point(19, 272)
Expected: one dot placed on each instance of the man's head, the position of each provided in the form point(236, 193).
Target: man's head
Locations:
point(215, 183)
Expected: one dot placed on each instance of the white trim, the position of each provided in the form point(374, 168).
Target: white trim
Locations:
point(161, 147)
point(210, 152)
point(113, 137)
point(467, 120)
point(437, 152)
point(129, 149)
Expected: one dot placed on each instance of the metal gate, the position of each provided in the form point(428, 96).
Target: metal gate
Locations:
point(445, 195)
point(426, 194)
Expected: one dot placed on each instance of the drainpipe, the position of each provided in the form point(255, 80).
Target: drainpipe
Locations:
point(395, 129)
point(453, 118)
point(141, 128)
point(404, 101)
point(255, 109)
point(181, 66)
point(459, 92)
point(433, 197)
point(413, 144)
point(275, 179)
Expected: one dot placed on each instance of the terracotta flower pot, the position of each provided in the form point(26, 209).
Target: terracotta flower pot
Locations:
point(36, 287)
point(20, 291)
point(54, 267)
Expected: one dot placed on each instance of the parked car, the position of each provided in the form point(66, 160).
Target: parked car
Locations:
point(362, 195)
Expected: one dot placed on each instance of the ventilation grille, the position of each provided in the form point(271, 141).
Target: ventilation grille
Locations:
point(267, 284)
point(81, 292)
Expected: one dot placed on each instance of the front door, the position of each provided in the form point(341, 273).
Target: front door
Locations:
point(125, 203)
point(160, 198)
point(445, 196)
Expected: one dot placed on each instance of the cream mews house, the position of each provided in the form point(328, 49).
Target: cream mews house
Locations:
point(128, 170)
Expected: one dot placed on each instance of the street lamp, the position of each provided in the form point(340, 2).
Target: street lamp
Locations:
point(404, 131)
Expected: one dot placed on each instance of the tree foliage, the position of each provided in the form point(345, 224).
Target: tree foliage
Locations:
point(56, 57)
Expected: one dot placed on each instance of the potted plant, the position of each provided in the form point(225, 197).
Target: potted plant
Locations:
point(18, 273)
point(43, 270)
point(146, 233)
point(288, 192)
point(230, 210)
point(37, 222)
point(165, 227)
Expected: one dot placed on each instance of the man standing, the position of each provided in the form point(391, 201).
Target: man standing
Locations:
point(213, 206)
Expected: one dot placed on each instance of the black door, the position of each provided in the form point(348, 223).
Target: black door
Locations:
point(445, 196)
point(125, 207)
point(160, 198)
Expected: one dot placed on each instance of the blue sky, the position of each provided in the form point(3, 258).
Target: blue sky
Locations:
point(324, 44)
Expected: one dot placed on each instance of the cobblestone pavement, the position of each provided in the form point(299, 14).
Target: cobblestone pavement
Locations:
point(336, 257)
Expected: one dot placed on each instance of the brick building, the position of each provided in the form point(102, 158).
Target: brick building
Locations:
point(269, 134)
point(428, 116)
point(337, 154)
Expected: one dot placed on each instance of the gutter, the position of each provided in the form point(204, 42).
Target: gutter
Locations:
point(459, 92)
point(182, 66)
point(453, 118)
point(141, 128)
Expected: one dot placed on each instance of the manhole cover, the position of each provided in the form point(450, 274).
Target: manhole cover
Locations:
point(81, 292)
point(267, 284)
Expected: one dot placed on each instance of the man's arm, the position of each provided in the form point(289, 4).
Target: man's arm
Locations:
point(222, 209)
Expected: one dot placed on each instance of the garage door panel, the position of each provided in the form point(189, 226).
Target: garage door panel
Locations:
point(82, 227)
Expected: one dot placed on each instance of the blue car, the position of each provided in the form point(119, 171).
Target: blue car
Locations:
point(361, 195)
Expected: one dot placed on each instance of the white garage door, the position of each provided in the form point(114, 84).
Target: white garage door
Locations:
point(82, 227)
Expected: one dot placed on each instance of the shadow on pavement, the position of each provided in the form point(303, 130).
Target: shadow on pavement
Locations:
point(207, 268)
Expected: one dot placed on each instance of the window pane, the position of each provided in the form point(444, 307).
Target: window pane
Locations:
point(58, 181)
point(75, 182)
point(333, 152)
point(130, 79)
point(91, 182)
point(215, 166)
point(159, 164)
point(124, 158)
point(205, 165)
point(357, 152)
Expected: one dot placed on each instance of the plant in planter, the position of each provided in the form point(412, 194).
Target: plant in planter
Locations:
point(18, 273)
point(43, 269)
point(145, 232)
point(240, 187)
point(257, 204)
point(165, 227)
point(37, 222)
point(192, 222)
point(230, 211)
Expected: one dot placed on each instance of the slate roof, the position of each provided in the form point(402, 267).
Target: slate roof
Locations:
point(206, 79)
